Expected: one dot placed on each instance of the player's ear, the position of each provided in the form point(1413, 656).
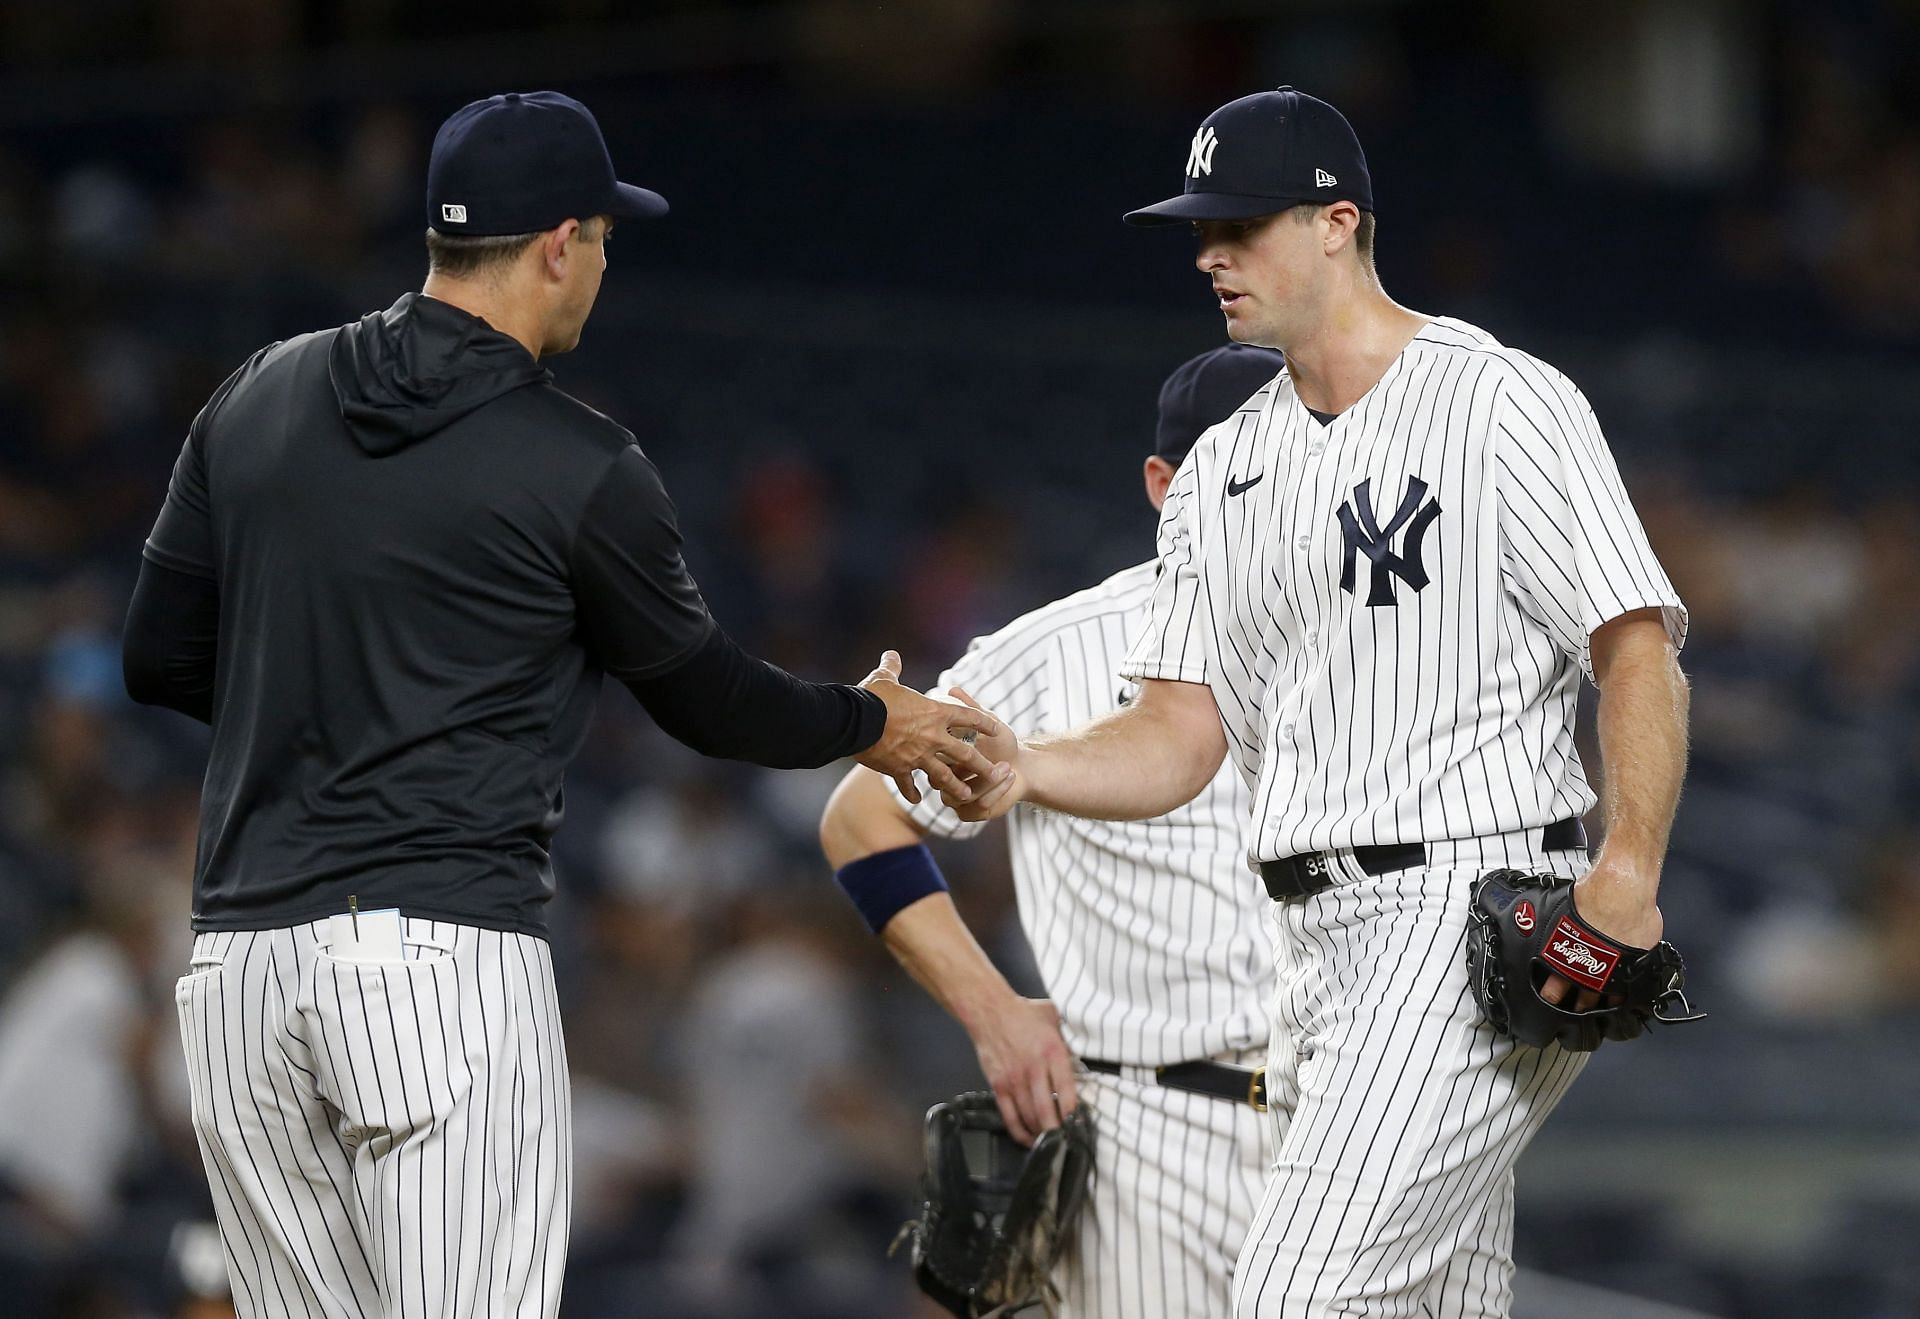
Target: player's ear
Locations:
point(1342, 221)
point(1159, 475)
point(553, 247)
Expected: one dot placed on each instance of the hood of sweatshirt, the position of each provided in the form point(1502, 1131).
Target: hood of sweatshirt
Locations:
point(403, 374)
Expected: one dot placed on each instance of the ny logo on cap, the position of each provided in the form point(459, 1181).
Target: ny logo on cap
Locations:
point(1322, 179)
point(453, 214)
point(1200, 157)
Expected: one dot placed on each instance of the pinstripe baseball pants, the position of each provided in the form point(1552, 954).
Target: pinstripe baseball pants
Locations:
point(1176, 1179)
point(1399, 1114)
point(383, 1139)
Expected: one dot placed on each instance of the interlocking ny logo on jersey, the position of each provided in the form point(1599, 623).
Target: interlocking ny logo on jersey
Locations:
point(1365, 535)
point(1200, 156)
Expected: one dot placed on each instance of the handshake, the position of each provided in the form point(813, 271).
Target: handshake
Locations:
point(963, 750)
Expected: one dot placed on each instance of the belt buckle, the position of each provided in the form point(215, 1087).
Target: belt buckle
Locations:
point(1257, 1090)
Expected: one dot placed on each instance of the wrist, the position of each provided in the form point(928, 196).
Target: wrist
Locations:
point(1627, 871)
point(869, 720)
point(979, 1006)
point(1034, 766)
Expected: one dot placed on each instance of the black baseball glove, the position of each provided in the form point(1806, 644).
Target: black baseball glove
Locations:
point(996, 1216)
point(1524, 928)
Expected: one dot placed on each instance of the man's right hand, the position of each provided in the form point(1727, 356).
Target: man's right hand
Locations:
point(1028, 1065)
point(924, 734)
point(990, 799)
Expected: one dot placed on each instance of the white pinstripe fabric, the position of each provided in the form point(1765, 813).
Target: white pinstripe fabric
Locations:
point(1393, 612)
point(1150, 934)
point(1177, 1180)
point(1153, 941)
point(1448, 713)
point(385, 1139)
point(1398, 1113)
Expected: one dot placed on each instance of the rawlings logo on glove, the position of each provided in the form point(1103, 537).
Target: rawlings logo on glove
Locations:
point(1576, 955)
point(1525, 928)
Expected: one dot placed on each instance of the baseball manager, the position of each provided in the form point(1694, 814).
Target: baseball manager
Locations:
point(393, 564)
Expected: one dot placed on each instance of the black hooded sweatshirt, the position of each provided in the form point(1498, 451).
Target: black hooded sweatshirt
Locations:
point(393, 562)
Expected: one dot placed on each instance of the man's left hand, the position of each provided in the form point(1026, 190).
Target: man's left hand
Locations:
point(1617, 901)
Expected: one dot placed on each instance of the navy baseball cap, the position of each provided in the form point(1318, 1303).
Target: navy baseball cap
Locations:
point(1264, 153)
point(524, 162)
point(1204, 391)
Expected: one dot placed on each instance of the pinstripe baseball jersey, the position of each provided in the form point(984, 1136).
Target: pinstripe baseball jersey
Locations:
point(1393, 607)
point(1151, 935)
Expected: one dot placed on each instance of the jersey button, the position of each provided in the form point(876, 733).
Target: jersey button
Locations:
point(1286, 732)
point(1304, 542)
point(1314, 449)
point(1313, 639)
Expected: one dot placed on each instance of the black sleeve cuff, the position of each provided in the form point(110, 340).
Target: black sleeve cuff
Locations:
point(873, 720)
point(723, 702)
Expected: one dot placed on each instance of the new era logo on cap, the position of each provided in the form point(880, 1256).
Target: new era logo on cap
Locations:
point(1200, 156)
point(453, 214)
point(1322, 179)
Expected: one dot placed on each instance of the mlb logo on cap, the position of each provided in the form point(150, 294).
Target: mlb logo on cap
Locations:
point(525, 161)
point(1264, 153)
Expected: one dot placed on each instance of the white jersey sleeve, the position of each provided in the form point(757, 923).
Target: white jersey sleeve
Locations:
point(1150, 935)
point(1573, 551)
point(1175, 645)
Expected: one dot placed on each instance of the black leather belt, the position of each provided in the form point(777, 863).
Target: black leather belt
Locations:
point(1312, 872)
point(1214, 1079)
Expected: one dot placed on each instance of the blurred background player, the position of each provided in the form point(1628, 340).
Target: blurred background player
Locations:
point(1151, 937)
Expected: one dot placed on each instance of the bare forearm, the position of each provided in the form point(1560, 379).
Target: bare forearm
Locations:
point(862, 818)
point(1018, 1040)
point(1643, 746)
point(1135, 764)
point(938, 950)
point(927, 937)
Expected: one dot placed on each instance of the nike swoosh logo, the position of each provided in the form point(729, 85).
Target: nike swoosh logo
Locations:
point(1241, 487)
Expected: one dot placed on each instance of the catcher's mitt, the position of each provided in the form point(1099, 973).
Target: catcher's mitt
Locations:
point(996, 1216)
point(1524, 928)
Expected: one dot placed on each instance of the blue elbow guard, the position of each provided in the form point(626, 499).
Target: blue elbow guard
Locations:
point(882, 884)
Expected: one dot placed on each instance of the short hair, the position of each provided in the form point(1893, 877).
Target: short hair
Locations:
point(463, 256)
point(1362, 232)
point(1363, 237)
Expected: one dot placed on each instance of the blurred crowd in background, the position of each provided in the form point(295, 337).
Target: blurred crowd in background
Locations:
point(897, 360)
